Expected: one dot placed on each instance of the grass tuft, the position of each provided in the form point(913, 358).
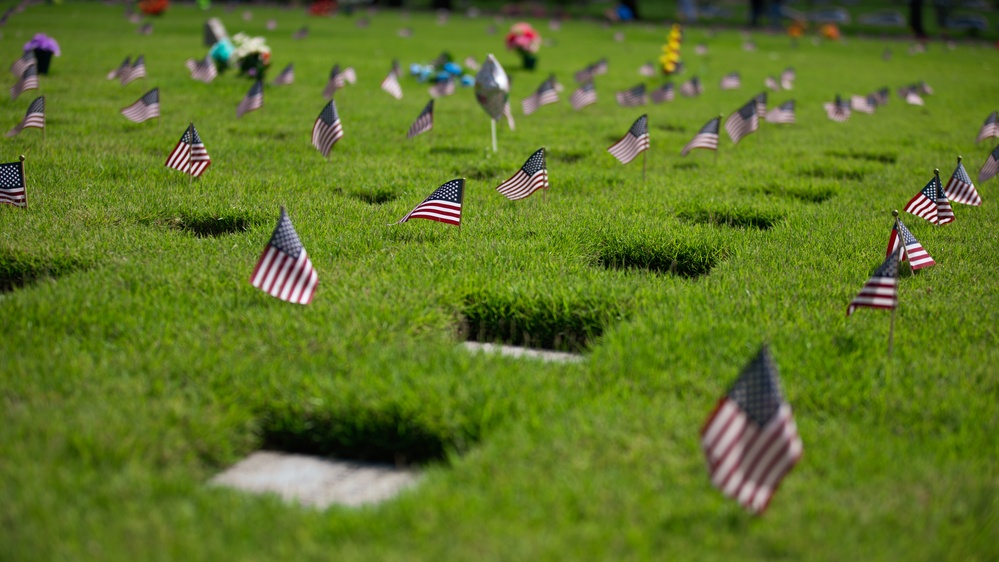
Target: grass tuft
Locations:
point(676, 257)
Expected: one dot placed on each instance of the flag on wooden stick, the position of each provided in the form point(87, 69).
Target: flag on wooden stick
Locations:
point(691, 88)
point(931, 203)
point(190, 155)
point(787, 78)
point(23, 62)
point(442, 88)
point(391, 85)
point(991, 166)
point(911, 248)
point(744, 121)
point(863, 104)
point(443, 205)
point(532, 176)
point(782, 114)
point(544, 95)
point(632, 96)
point(881, 290)
point(28, 81)
point(960, 189)
point(761, 104)
point(286, 77)
point(202, 70)
point(731, 81)
point(253, 101)
point(663, 93)
point(146, 108)
point(771, 82)
point(583, 96)
point(35, 117)
point(284, 270)
point(990, 128)
point(12, 186)
point(838, 110)
point(633, 143)
point(750, 439)
point(707, 137)
point(327, 129)
point(424, 121)
point(338, 79)
point(134, 72)
point(123, 67)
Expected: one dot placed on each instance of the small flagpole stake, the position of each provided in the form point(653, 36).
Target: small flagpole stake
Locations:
point(190, 152)
point(721, 118)
point(644, 153)
point(493, 121)
point(901, 250)
point(25, 176)
point(544, 194)
point(461, 200)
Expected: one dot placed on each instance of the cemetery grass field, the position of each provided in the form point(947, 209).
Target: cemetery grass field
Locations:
point(137, 361)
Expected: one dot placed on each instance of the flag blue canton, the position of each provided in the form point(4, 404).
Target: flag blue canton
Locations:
point(285, 238)
point(711, 127)
point(329, 114)
point(640, 127)
point(449, 192)
point(756, 391)
point(535, 163)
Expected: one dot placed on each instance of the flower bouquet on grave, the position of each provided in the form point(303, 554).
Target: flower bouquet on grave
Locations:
point(252, 55)
point(525, 40)
point(44, 48)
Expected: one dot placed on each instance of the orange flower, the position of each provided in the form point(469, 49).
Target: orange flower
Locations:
point(829, 31)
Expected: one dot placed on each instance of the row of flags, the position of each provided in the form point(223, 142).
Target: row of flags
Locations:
point(129, 70)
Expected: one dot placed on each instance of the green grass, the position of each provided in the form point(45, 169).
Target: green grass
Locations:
point(137, 361)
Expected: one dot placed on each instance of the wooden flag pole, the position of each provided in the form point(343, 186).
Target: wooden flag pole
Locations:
point(190, 152)
point(493, 122)
point(24, 176)
point(644, 152)
point(544, 155)
point(891, 328)
point(721, 116)
point(461, 200)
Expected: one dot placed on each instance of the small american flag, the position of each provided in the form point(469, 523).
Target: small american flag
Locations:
point(147, 107)
point(585, 75)
point(634, 142)
point(284, 270)
point(471, 63)
point(787, 78)
point(532, 176)
point(648, 69)
point(190, 155)
point(28, 81)
point(253, 101)
point(442, 88)
point(202, 70)
point(731, 81)
point(583, 96)
point(862, 104)
point(881, 290)
point(991, 166)
point(544, 95)
point(600, 67)
point(761, 104)
point(990, 128)
point(960, 189)
point(691, 88)
point(743, 121)
point(134, 72)
point(838, 110)
point(632, 96)
point(286, 77)
point(327, 129)
point(424, 121)
point(912, 249)
point(23, 62)
point(12, 184)
point(782, 114)
point(931, 203)
point(300, 33)
point(443, 205)
point(664, 93)
point(145, 29)
point(923, 88)
point(701, 49)
point(882, 96)
point(771, 82)
point(750, 439)
point(339, 79)
point(123, 67)
point(707, 137)
point(913, 98)
point(35, 117)
point(391, 85)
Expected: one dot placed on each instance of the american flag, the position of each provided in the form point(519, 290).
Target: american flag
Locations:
point(253, 101)
point(931, 203)
point(701, 49)
point(913, 98)
point(632, 96)
point(882, 96)
point(771, 82)
point(991, 166)
point(555, 83)
point(28, 81)
point(147, 107)
point(145, 29)
point(583, 96)
point(761, 104)
point(35, 117)
point(838, 110)
point(990, 128)
point(12, 184)
point(544, 95)
point(923, 88)
point(743, 121)
point(917, 256)
point(664, 93)
point(471, 63)
point(691, 88)
point(750, 439)
point(391, 85)
point(443, 205)
point(286, 77)
point(600, 67)
point(339, 79)
point(424, 121)
point(585, 75)
point(123, 67)
point(731, 81)
point(301, 33)
point(134, 72)
point(862, 104)
point(190, 155)
point(782, 114)
point(959, 187)
point(648, 69)
point(284, 270)
point(707, 137)
point(532, 176)
point(787, 78)
point(881, 290)
point(442, 88)
point(23, 62)
point(327, 129)
point(635, 141)
point(202, 70)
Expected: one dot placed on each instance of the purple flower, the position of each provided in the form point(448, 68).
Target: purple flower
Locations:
point(43, 42)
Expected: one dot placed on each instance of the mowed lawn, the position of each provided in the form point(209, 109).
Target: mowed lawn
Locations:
point(137, 361)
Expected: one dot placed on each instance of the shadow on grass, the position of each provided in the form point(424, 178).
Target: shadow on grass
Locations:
point(738, 218)
point(376, 196)
point(209, 225)
point(808, 194)
point(672, 257)
point(567, 157)
point(882, 157)
point(672, 128)
point(452, 150)
point(19, 270)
